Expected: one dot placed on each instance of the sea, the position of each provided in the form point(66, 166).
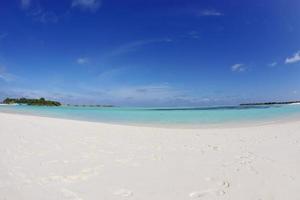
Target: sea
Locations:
point(165, 116)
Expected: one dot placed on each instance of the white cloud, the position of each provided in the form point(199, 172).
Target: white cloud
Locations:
point(25, 4)
point(210, 13)
point(238, 67)
point(295, 58)
point(91, 5)
point(82, 60)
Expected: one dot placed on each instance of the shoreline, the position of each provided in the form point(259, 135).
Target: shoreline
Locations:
point(224, 125)
point(50, 158)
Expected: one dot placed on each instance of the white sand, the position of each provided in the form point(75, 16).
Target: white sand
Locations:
point(43, 159)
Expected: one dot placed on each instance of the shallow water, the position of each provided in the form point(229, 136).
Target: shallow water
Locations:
point(162, 116)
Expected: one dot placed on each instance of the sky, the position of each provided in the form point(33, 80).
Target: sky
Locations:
point(150, 53)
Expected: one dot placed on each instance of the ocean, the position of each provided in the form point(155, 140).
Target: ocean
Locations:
point(184, 116)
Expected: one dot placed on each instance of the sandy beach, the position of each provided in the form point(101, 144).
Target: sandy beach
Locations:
point(47, 158)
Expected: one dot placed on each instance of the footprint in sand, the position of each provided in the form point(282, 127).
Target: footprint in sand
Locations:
point(123, 193)
point(213, 147)
point(199, 194)
point(204, 193)
point(224, 184)
point(218, 191)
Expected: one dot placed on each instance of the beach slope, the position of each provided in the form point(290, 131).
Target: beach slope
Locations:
point(45, 158)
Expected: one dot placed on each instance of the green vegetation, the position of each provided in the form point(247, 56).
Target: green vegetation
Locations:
point(32, 102)
point(269, 103)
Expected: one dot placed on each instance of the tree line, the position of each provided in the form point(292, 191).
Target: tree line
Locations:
point(32, 102)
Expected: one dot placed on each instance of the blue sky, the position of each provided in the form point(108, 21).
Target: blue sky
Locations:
point(158, 52)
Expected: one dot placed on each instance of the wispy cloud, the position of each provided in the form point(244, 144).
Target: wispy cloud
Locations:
point(238, 67)
point(146, 92)
point(210, 12)
point(82, 60)
point(5, 76)
point(273, 64)
point(193, 35)
point(47, 17)
point(89, 5)
point(295, 58)
point(132, 46)
point(196, 11)
point(153, 94)
point(25, 4)
point(109, 88)
point(38, 13)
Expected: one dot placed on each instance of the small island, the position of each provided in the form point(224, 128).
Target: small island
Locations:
point(269, 103)
point(32, 102)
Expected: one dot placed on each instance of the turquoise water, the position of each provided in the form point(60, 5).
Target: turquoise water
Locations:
point(162, 116)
